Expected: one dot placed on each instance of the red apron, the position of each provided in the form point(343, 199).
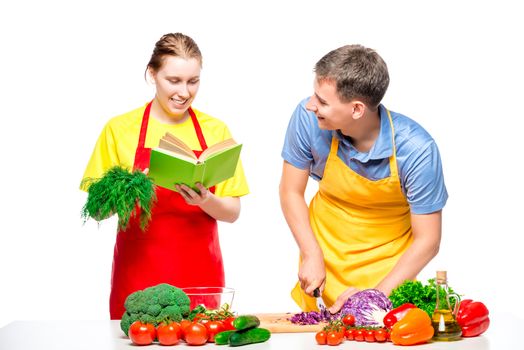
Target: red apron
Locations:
point(180, 245)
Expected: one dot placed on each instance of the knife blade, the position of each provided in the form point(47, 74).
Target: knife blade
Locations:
point(320, 302)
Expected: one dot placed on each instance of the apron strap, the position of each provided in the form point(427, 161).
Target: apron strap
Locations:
point(198, 130)
point(143, 127)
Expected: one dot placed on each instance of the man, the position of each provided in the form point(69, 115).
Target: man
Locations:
point(376, 218)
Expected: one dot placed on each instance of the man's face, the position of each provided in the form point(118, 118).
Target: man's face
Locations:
point(332, 114)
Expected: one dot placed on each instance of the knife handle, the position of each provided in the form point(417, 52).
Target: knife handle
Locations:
point(316, 292)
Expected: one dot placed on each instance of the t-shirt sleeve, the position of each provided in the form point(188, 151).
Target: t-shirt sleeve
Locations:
point(297, 142)
point(104, 156)
point(235, 186)
point(425, 188)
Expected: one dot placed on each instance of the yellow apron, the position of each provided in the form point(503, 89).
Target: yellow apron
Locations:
point(362, 226)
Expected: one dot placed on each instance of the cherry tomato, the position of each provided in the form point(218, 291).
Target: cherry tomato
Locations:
point(169, 334)
point(213, 328)
point(228, 323)
point(334, 338)
point(350, 334)
point(142, 333)
point(389, 321)
point(369, 336)
point(349, 320)
point(196, 334)
point(183, 326)
point(321, 338)
point(381, 335)
point(359, 335)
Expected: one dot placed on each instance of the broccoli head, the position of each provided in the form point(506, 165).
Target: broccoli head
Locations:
point(155, 305)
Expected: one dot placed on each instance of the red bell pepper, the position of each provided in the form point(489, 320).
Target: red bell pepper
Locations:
point(472, 317)
point(397, 314)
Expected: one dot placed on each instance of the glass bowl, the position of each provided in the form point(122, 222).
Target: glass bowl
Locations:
point(211, 297)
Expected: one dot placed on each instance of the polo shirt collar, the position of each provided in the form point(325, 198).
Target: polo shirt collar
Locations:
point(383, 146)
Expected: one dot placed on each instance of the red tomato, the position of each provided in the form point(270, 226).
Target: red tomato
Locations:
point(381, 335)
point(213, 328)
point(321, 338)
point(350, 334)
point(334, 338)
point(228, 323)
point(359, 335)
point(349, 320)
point(369, 336)
point(169, 334)
point(183, 325)
point(196, 334)
point(142, 333)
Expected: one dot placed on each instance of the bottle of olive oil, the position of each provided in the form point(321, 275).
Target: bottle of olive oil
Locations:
point(444, 322)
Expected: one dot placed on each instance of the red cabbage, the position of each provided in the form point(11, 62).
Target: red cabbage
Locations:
point(369, 307)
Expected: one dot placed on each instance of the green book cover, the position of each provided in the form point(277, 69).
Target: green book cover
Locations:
point(168, 168)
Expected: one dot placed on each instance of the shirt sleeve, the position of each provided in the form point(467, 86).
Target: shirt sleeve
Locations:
point(104, 156)
point(297, 142)
point(235, 186)
point(425, 188)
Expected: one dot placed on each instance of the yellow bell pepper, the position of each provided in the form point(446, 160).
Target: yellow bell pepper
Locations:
point(414, 328)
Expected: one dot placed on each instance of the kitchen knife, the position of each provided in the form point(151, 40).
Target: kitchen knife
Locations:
point(320, 302)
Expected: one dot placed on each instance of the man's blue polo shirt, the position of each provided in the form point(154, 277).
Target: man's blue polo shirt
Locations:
point(306, 146)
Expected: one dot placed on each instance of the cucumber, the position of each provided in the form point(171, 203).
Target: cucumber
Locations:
point(246, 322)
point(222, 338)
point(250, 336)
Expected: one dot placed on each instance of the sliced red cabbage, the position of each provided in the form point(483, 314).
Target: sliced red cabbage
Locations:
point(369, 307)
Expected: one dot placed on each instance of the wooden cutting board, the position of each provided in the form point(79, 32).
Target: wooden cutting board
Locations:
point(279, 323)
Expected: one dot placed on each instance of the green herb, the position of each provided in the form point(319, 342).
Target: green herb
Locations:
point(423, 296)
point(119, 191)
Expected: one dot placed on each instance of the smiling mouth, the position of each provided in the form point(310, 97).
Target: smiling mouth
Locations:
point(179, 102)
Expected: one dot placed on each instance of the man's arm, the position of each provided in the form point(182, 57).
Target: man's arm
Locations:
point(426, 241)
point(427, 230)
point(312, 272)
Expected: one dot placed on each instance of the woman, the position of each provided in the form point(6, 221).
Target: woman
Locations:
point(183, 226)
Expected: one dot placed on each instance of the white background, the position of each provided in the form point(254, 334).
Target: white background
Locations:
point(67, 68)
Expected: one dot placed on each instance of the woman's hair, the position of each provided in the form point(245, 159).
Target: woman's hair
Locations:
point(173, 44)
point(359, 73)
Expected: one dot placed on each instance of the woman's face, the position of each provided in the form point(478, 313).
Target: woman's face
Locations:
point(177, 83)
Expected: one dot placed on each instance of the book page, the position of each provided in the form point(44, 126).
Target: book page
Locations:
point(174, 144)
point(176, 154)
point(217, 147)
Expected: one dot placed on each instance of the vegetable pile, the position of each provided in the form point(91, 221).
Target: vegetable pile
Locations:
point(162, 313)
point(119, 191)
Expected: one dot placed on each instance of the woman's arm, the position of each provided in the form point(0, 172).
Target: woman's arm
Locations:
point(220, 208)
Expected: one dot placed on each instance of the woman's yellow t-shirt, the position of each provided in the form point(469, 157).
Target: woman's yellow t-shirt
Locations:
point(119, 139)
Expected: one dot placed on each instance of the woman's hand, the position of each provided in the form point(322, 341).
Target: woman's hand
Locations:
point(192, 197)
point(342, 299)
point(312, 274)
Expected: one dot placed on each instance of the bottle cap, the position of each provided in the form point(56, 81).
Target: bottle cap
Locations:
point(442, 276)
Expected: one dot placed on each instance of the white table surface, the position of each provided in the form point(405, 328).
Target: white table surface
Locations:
point(505, 332)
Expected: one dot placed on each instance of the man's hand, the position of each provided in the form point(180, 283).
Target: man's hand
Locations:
point(342, 299)
point(312, 274)
point(191, 197)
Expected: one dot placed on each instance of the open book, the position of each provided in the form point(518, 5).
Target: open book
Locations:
point(173, 162)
